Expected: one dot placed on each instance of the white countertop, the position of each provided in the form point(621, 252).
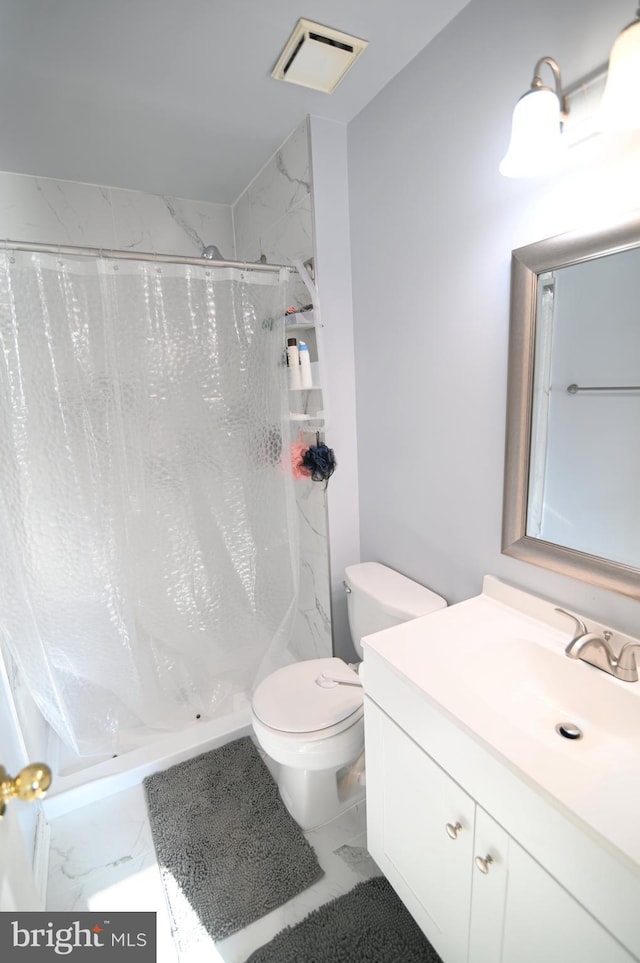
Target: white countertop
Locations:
point(496, 665)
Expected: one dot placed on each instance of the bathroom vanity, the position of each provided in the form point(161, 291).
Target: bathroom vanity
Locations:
point(508, 841)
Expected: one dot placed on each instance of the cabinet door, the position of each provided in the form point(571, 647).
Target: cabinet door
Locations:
point(520, 914)
point(429, 867)
point(543, 921)
point(488, 890)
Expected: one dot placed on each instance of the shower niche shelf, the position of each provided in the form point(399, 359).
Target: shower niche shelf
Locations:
point(300, 319)
point(315, 379)
point(306, 404)
point(302, 326)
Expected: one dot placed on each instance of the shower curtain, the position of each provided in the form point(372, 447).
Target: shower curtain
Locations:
point(149, 563)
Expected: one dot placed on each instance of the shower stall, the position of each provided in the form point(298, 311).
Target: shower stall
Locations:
point(150, 549)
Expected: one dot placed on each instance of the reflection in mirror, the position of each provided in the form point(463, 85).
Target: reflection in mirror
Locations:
point(584, 479)
point(572, 474)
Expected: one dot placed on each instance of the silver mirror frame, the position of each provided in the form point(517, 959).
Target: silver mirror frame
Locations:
point(526, 264)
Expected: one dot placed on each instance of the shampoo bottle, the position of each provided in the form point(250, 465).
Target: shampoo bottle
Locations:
point(306, 380)
point(293, 362)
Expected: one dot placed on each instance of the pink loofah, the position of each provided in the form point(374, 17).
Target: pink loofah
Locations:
point(298, 450)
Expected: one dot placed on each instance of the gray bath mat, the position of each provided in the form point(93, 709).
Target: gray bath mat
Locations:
point(227, 848)
point(367, 925)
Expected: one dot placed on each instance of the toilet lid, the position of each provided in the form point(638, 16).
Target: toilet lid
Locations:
point(290, 699)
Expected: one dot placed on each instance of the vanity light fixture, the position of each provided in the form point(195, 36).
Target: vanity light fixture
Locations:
point(620, 107)
point(537, 140)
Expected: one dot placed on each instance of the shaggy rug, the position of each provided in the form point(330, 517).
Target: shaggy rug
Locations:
point(367, 925)
point(227, 848)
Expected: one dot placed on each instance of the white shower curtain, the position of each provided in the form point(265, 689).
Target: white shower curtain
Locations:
point(149, 563)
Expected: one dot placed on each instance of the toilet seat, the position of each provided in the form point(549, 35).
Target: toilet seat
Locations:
point(290, 701)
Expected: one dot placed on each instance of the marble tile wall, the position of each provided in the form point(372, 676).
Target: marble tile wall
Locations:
point(274, 217)
point(41, 209)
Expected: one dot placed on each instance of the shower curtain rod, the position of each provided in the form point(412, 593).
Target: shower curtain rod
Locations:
point(139, 256)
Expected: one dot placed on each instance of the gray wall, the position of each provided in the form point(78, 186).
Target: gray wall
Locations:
point(432, 227)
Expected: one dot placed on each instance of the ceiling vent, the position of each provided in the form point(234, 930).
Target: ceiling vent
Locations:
point(317, 56)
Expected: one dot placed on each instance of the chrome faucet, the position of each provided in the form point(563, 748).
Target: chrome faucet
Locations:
point(595, 649)
point(627, 667)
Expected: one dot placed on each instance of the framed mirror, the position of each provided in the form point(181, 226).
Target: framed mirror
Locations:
point(572, 465)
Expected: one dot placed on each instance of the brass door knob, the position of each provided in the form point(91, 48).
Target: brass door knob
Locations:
point(30, 784)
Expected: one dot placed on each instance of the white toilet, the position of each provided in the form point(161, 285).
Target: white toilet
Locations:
point(312, 725)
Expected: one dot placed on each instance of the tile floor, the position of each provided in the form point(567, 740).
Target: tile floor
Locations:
point(102, 858)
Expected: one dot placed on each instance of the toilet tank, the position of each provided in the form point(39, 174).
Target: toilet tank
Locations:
point(378, 598)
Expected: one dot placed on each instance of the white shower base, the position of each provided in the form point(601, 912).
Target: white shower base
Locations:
point(79, 780)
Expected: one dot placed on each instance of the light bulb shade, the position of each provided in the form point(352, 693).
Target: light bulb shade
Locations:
point(536, 142)
point(620, 107)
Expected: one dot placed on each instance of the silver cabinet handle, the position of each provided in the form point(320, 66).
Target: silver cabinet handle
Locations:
point(483, 864)
point(452, 831)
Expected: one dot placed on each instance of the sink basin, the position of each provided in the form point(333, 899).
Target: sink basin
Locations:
point(535, 688)
point(496, 665)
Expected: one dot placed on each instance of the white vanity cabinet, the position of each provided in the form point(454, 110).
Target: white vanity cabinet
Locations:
point(477, 894)
point(420, 832)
